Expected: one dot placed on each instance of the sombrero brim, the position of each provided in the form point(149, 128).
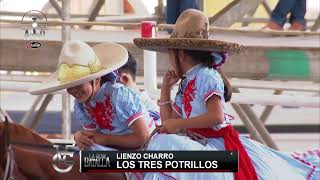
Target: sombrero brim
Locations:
point(117, 59)
point(53, 85)
point(164, 44)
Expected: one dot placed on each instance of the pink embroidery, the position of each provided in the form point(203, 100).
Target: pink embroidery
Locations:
point(188, 96)
point(296, 156)
point(102, 113)
point(134, 117)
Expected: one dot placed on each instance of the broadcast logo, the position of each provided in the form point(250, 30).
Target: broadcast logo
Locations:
point(34, 27)
point(62, 161)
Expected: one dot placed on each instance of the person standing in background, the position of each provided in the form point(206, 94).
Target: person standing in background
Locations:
point(297, 10)
point(176, 7)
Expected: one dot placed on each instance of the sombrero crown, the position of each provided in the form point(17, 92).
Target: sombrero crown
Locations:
point(191, 32)
point(79, 63)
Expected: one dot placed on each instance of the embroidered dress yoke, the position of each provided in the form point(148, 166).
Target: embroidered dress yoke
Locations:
point(113, 109)
point(199, 85)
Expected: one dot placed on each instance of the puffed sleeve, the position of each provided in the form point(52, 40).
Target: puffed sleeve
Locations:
point(127, 104)
point(81, 115)
point(177, 104)
point(210, 83)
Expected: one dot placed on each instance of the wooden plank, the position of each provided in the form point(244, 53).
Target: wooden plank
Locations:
point(21, 87)
point(57, 7)
point(316, 25)
point(249, 14)
point(20, 14)
point(249, 126)
point(26, 119)
point(265, 135)
point(247, 32)
point(247, 38)
point(263, 20)
point(94, 11)
point(233, 12)
point(251, 64)
point(267, 7)
point(41, 111)
point(279, 85)
point(281, 100)
point(4, 115)
point(288, 128)
point(267, 110)
point(250, 32)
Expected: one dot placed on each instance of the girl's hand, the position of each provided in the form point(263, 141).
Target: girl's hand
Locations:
point(170, 126)
point(84, 139)
point(99, 138)
point(170, 78)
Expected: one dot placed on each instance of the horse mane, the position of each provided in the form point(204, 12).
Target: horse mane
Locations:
point(20, 133)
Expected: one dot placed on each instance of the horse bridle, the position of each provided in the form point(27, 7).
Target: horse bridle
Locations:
point(10, 165)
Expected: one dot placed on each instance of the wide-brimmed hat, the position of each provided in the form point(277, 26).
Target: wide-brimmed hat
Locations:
point(191, 32)
point(79, 63)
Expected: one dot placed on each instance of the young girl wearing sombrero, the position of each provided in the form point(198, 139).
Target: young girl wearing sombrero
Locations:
point(199, 106)
point(111, 113)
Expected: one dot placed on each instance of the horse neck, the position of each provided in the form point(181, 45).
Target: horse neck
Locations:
point(20, 133)
point(17, 132)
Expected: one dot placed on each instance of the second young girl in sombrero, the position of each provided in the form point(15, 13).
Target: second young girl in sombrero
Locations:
point(111, 113)
point(199, 106)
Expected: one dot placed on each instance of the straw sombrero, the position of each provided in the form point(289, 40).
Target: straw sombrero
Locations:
point(191, 32)
point(79, 63)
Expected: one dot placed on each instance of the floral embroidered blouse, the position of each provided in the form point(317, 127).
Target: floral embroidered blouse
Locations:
point(113, 109)
point(199, 85)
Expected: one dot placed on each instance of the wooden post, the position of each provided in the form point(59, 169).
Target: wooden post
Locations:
point(66, 112)
point(41, 110)
point(233, 12)
point(316, 24)
point(259, 126)
point(26, 120)
point(266, 112)
point(267, 7)
point(65, 17)
point(249, 14)
point(3, 115)
point(94, 11)
point(265, 135)
point(56, 6)
point(251, 129)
